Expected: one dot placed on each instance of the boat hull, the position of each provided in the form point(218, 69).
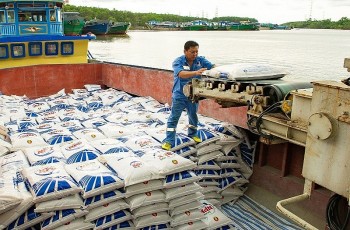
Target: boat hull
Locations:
point(119, 28)
point(73, 24)
point(277, 167)
point(98, 28)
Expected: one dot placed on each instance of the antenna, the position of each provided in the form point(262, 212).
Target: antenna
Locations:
point(216, 11)
point(311, 3)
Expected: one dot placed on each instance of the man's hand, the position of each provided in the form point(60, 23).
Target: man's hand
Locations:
point(200, 71)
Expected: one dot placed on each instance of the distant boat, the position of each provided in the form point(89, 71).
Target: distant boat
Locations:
point(222, 25)
point(167, 25)
point(97, 27)
point(197, 25)
point(244, 26)
point(118, 27)
point(73, 23)
point(271, 26)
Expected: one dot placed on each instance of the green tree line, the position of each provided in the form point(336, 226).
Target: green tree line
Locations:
point(138, 20)
point(341, 24)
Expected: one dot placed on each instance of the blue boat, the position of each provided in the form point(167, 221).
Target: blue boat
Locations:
point(32, 31)
point(97, 27)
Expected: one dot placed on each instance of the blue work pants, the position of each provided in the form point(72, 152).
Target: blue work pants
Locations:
point(178, 105)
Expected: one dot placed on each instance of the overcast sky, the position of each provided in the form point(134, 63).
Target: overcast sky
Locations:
point(274, 11)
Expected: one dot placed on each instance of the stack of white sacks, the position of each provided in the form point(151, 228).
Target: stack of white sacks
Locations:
point(92, 160)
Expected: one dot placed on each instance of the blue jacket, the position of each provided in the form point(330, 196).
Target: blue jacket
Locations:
point(181, 64)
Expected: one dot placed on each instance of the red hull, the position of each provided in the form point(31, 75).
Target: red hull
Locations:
point(278, 167)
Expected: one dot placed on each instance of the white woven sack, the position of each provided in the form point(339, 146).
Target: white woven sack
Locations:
point(209, 156)
point(207, 174)
point(167, 162)
point(44, 154)
point(208, 165)
point(12, 163)
point(215, 202)
point(214, 217)
point(26, 140)
point(115, 130)
point(113, 219)
point(77, 224)
point(227, 139)
point(209, 188)
point(49, 182)
point(247, 71)
point(4, 148)
point(39, 106)
point(233, 190)
point(227, 148)
point(126, 225)
point(181, 178)
point(45, 127)
point(186, 207)
point(186, 151)
point(132, 170)
point(89, 134)
point(198, 225)
point(106, 209)
point(152, 219)
point(229, 172)
point(10, 196)
point(115, 118)
point(186, 217)
point(14, 213)
point(229, 164)
point(58, 136)
point(78, 151)
point(137, 116)
point(140, 141)
point(112, 146)
point(61, 218)
point(228, 181)
point(52, 118)
point(94, 122)
point(69, 202)
point(207, 136)
point(149, 209)
point(26, 123)
point(29, 219)
point(94, 178)
point(185, 199)
point(145, 199)
point(183, 190)
point(143, 187)
point(212, 195)
point(205, 182)
point(208, 149)
point(105, 198)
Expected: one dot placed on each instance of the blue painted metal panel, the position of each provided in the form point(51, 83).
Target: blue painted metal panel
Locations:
point(5, 1)
point(34, 38)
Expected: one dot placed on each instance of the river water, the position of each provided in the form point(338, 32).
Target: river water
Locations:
point(306, 54)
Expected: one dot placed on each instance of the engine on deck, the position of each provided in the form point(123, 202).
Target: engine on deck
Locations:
point(314, 115)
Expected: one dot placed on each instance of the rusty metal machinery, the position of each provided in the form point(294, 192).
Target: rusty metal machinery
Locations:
point(270, 99)
point(316, 117)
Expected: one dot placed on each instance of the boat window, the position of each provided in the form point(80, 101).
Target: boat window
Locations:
point(28, 16)
point(35, 48)
point(17, 50)
point(36, 5)
point(67, 48)
point(51, 48)
point(59, 16)
point(10, 16)
point(4, 52)
point(52, 15)
point(2, 16)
